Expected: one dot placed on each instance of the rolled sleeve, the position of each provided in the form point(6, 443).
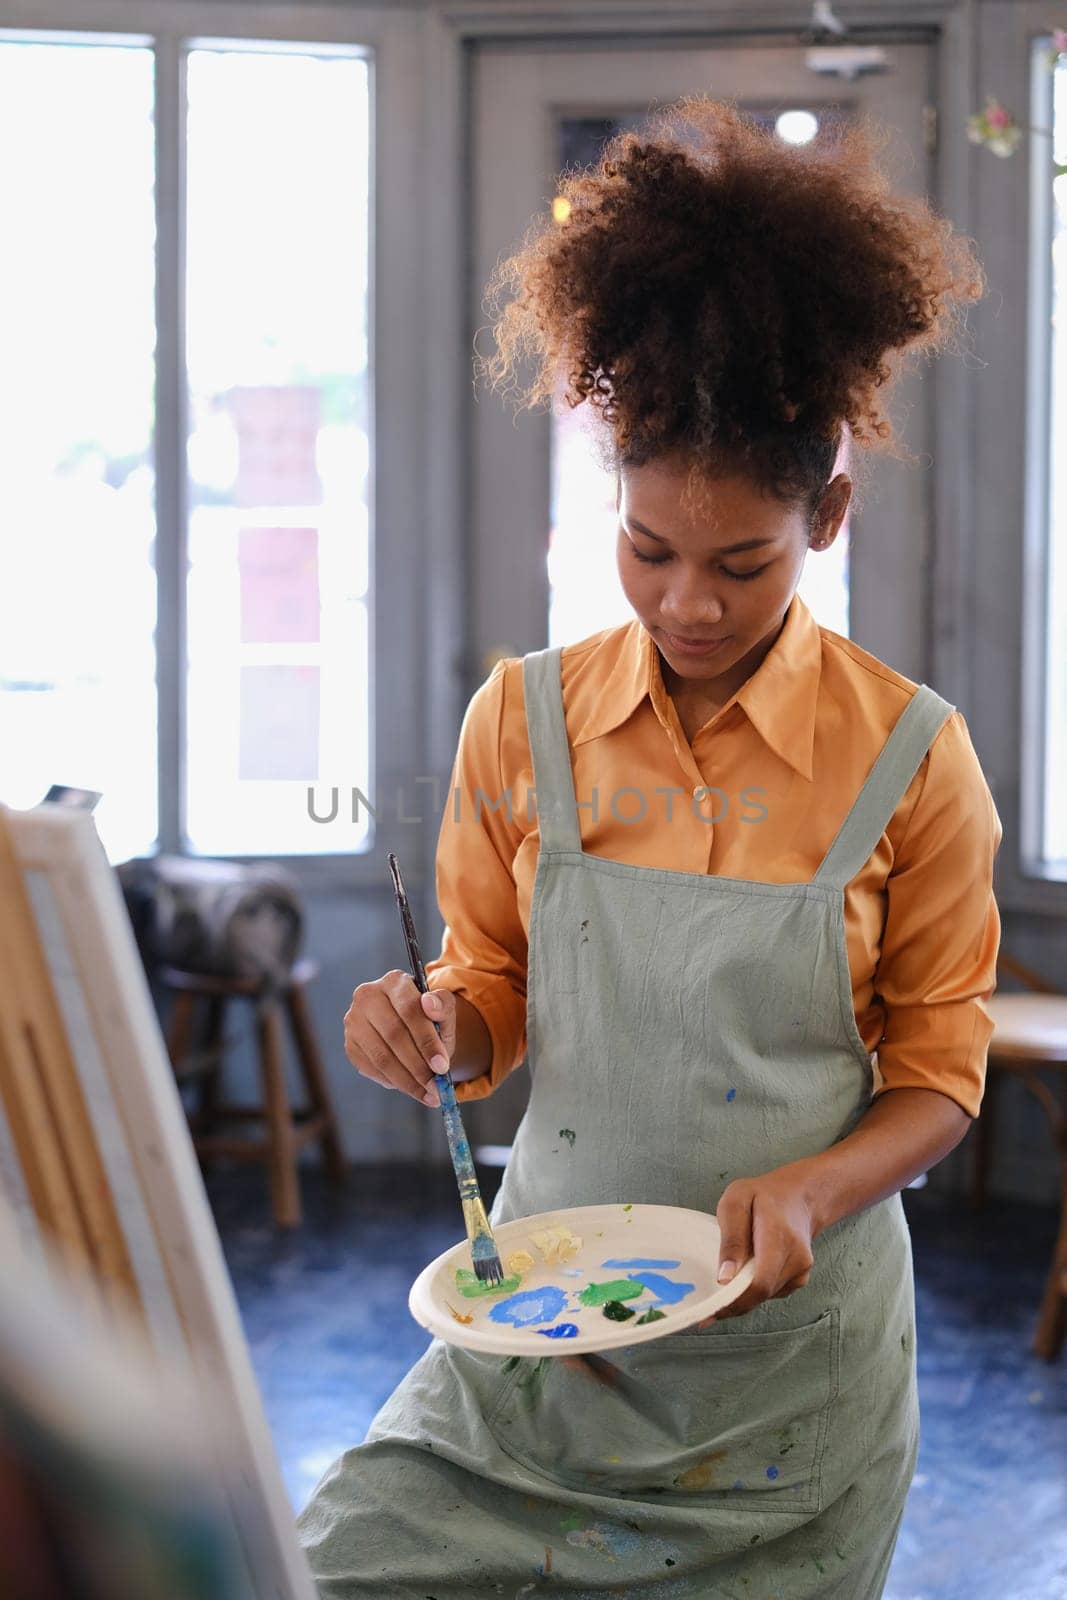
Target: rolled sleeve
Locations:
point(483, 948)
point(938, 961)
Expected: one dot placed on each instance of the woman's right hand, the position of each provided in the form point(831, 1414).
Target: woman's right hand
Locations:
point(390, 1035)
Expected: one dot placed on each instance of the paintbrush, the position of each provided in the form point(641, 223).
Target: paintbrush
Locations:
point(484, 1255)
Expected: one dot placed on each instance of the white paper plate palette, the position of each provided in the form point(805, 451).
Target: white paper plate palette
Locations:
point(597, 1278)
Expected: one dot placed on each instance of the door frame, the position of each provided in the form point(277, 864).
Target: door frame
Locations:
point(520, 93)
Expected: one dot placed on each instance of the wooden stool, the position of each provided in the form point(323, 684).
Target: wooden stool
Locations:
point(287, 1131)
point(1031, 1033)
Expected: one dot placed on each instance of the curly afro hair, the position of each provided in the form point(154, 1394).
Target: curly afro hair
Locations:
point(718, 295)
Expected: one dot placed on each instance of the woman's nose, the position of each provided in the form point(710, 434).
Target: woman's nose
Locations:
point(691, 606)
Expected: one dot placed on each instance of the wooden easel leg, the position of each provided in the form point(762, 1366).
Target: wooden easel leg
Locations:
point(318, 1093)
point(285, 1187)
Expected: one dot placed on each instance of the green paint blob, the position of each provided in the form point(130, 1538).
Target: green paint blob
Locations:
point(617, 1312)
point(568, 1134)
point(533, 1380)
point(627, 1208)
point(651, 1315)
point(598, 1294)
point(472, 1286)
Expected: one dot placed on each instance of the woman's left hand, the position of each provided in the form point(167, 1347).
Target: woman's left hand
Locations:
point(769, 1217)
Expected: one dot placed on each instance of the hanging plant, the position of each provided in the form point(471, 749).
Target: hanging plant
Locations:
point(995, 127)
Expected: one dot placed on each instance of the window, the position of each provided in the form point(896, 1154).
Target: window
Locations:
point(279, 534)
point(1045, 807)
point(77, 490)
point(271, 452)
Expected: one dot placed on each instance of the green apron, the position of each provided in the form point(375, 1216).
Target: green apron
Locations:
point(690, 1029)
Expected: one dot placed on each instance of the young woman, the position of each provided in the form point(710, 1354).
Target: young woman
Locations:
point(757, 856)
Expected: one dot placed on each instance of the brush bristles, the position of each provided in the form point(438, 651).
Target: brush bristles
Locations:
point(490, 1270)
point(484, 1257)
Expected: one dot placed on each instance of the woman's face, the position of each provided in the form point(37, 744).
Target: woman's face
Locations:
point(721, 579)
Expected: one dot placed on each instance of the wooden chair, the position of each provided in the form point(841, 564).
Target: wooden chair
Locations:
point(204, 1000)
point(1030, 1035)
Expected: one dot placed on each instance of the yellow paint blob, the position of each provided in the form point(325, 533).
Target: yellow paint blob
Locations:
point(557, 1245)
point(519, 1263)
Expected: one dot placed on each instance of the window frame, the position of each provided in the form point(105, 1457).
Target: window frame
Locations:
point(396, 495)
point(1037, 524)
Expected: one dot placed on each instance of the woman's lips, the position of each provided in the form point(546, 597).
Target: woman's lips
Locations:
point(694, 647)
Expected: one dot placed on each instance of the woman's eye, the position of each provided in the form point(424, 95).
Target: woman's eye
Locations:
point(658, 561)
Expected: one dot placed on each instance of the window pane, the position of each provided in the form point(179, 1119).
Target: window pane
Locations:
point(77, 332)
point(585, 594)
point(1055, 806)
point(278, 458)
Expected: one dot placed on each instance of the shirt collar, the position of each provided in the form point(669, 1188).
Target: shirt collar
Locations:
point(779, 698)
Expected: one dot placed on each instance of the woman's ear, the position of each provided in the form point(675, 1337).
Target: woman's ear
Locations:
point(831, 508)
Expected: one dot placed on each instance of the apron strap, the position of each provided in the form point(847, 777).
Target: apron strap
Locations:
point(557, 810)
point(884, 788)
point(855, 840)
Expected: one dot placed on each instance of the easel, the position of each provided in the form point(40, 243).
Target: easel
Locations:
point(41, 1097)
point(98, 1169)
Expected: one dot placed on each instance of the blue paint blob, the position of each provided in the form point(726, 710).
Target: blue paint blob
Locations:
point(572, 1272)
point(639, 1261)
point(772, 1472)
point(668, 1290)
point(530, 1306)
point(730, 1093)
point(562, 1330)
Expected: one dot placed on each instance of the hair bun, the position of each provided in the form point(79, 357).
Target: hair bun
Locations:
point(717, 292)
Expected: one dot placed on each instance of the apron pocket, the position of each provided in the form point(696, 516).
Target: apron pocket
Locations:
point(712, 1418)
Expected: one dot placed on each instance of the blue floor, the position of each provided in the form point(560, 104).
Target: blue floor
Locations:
point(325, 1313)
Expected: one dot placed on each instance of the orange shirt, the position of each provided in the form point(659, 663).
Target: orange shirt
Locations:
point(922, 925)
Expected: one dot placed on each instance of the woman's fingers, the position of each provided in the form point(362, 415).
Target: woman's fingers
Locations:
point(734, 1216)
point(752, 1224)
point(390, 1038)
point(440, 1006)
point(430, 1020)
point(375, 1056)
